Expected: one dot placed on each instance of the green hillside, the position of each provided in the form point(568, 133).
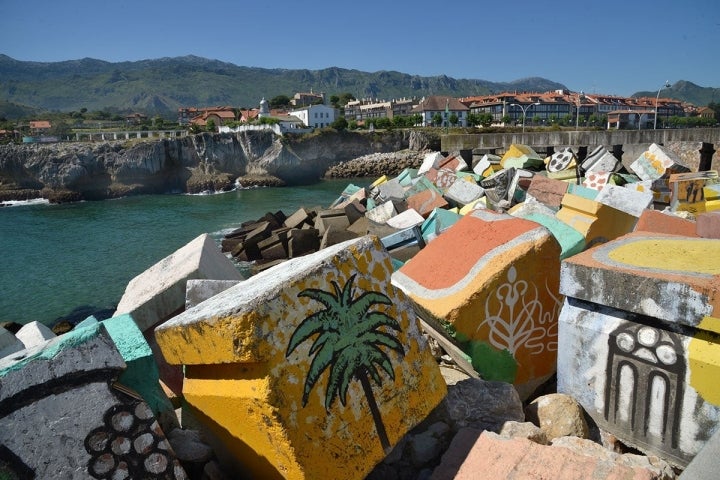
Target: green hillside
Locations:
point(687, 92)
point(161, 86)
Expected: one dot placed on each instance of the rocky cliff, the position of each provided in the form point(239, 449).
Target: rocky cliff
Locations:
point(95, 171)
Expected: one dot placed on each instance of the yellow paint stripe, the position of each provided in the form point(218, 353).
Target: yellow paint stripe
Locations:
point(670, 254)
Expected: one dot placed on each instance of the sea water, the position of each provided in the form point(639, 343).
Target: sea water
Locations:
point(63, 261)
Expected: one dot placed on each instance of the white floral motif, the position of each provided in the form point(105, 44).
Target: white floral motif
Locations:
point(516, 318)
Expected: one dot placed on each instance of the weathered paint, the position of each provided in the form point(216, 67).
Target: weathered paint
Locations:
point(521, 156)
point(653, 163)
point(596, 221)
point(704, 360)
point(493, 279)
point(247, 370)
point(712, 197)
point(688, 190)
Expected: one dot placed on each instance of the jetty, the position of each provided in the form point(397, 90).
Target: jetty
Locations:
point(504, 314)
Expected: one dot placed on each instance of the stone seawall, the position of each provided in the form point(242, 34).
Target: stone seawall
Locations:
point(82, 171)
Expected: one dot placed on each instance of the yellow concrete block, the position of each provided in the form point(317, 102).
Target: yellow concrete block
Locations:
point(312, 369)
point(704, 360)
point(479, 203)
point(596, 221)
point(379, 181)
point(712, 197)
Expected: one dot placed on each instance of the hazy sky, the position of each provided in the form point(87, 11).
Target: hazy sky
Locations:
point(607, 46)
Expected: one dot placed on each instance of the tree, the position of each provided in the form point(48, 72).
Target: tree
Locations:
point(437, 119)
point(506, 119)
point(349, 343)
point(279, 101)
point(453, 119)
point(485, 119)
point(210, 125)
point(159, 122)
point(339, 124)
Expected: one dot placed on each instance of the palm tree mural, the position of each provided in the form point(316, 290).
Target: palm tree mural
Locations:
point(349, 343)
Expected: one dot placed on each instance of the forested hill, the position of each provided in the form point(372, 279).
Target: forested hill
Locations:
point(161, 86)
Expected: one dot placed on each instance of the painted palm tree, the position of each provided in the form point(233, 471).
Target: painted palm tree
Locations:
point(349, 343)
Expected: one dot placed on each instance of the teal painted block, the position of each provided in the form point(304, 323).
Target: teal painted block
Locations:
point(407, 176)
point(571, 241)
point(370, 204)
point(91, 320)
point(142, 374)
point(585, 192)
point(421, 184)
point(396, 264)
point(437, 222)
point(349, 191)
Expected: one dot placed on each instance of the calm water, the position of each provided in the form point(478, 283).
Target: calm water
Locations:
point(59, 258)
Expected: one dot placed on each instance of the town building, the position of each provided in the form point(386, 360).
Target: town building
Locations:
point(446, 107)
point(301, 99)
point(361, 110)
point(315, 116)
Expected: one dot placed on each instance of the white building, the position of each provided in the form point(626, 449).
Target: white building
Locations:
point(315, 116)
point(445, 107)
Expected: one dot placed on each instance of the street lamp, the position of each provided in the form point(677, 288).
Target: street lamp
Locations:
point(577, 116)
point(657, 98)
point(524, 109)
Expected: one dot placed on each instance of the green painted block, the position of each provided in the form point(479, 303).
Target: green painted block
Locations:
point(437, 222)
point(571, 241)
point(474, 176)
point(421, 185)
point(585, 192)
point(406, 177)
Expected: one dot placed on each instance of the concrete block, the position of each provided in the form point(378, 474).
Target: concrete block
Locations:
point(521, 156)
point(487, 165)
point(382, 213)
point(655, 162)
point(569, 175)
point(159, 292)
point(548, 191)
point(463, 192)
point(497, 189)
point(389, 190)
point(437, 222)
point(654, 221)
point(688, 190)
point(298, 218)
point(333, 236)
point(407, 219)
point(379, 181)
point(705, 464)
point(279, 366)
point(494, 279)
point(334, 217)
point(426, 201)
point(199, 290)
point(406, 176)
point(421, 184)
point(596, 180)
point(563, 159)
point(74, 424)
point(570, 240)
point(624, 199)
point(307, 240)
point(581, 191)
point(644, 380)
point(274, 247)
point(441, 178)
point(476, 205)
point(600, 160)
point(708, 225)
point(346, 195)
point(430, 161)
point(658, 188)
point(33, 334)
point(596, 221)
point(712, 197)
point(454, 162)
point(9, 344)
point(354, 210)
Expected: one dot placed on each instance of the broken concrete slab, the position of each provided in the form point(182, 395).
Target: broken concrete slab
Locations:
point(260, 386)
point(470, 277)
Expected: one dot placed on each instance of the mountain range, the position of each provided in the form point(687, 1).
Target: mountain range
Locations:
point(161, 86)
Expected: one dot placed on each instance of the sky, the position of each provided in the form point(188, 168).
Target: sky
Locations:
point(614, 47)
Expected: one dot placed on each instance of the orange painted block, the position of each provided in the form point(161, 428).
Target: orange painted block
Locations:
point(654, 221)
point(493, 280)
point(596, 221)
point(314, 368)
point(426, 201)
point(442, 178)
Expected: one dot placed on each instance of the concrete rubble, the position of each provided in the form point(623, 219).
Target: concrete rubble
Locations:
point(503, 316)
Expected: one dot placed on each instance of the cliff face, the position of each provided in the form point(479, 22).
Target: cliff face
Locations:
point(84, 171)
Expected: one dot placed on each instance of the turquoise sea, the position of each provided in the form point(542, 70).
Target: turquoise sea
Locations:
point(69, 259)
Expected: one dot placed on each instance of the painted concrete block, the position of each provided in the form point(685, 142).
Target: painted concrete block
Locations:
point(406, 176)
point(581, 191)
point(9, 344)
point(569, 175)
point(382, 213)
point(426, 201)
point(407, 219)
point(570, 240)
point(63, 417)
point(477, 204)
point(705, 464)
point(463, 192)
point(485, 163)
point(379, 181)
point(346, 194)
point(430, 161)
point(159, 292)
point(655, 221)
point(354, 210)
point(624, 199)
point(596, 180)
point(420, 184)
point(600, 160)
point(437, 222)
point(688, 190)
point(596, 221)
point(521, 156)
point(647, 382)
point(659, 188)
point(199, 290)
point(454, 162)
point(497, 188)
point(493, 280)
point(548, 191)
point(442, 178)
point(312, 369)
point(391, 189)
point(712, 197)
point(708, 225)
point(655, 162)
point(563, 159)
point(33, 334)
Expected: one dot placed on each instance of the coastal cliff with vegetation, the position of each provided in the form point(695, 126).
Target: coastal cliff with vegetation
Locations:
point(95, 171)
